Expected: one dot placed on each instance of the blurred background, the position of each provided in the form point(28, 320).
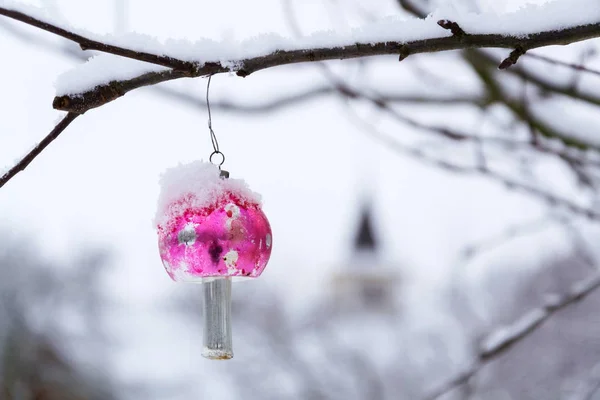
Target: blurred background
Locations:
point(434, 220)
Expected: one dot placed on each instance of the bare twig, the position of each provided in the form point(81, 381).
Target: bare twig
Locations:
point(580, 247)
point(480, 62)
point(512, 232)
point(90, 44)
point(544, 84)
point(452, 27)
point(512, 58)
point(292, 99)
point(482, 170)
point(29, 157)
point(577, 67)
point(412, 8)
point(502, 341)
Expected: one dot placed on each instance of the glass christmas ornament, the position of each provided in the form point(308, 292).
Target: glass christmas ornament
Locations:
point(211, 230)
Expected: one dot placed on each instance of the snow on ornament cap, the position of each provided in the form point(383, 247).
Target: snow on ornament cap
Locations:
point(210, 230)
point(210, 227)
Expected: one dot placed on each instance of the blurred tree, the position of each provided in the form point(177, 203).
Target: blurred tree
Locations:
point(40, 356)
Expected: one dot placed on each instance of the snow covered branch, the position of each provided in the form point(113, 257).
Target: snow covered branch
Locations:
point(104, 94)
point(402, 38)
point(29, 157)
point(82, 102)
point(505, 338)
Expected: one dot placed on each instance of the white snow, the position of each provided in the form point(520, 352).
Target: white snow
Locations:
point(531, 18)
point(197, 184)
point(550, 16)
point(503, 335)
point(231, 259)
point(99, 70)
point(585, 286)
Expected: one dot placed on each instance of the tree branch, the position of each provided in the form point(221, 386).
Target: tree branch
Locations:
point(272, 105)
point(502, 341)
point(459, 40)
point(291, 99)
point(412, 8)
point(29, 157)
point(483, 170)
point(90, 44)
point(248, 66)
point(104, 94)
point(576, 67)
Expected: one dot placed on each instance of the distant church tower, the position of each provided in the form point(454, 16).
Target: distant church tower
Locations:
point(363, 282)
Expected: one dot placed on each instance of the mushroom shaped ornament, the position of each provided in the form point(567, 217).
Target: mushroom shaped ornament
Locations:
point(211, 230)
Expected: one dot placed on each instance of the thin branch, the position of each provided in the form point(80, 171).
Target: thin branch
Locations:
point(511, 233)
point(512, 58)
point(480, 62)
point(409, 6)
point(292, 99)
point(510, 183)
point(452, 27)
point(544, 84)
point(90, 44)
point(577, 67)
point(383, 103)
point(104, 94)
point(67, 49)
point(29, 157)
point(520, 330)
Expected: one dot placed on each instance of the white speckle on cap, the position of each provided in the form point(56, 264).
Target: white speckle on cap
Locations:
point(231, 259)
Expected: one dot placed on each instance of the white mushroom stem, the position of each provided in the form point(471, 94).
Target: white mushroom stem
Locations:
point(218, 342)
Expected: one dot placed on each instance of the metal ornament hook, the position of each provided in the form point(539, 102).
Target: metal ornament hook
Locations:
point(213, 137)
point(218, 154)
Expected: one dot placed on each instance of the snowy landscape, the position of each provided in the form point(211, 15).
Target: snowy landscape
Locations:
point(430, 170)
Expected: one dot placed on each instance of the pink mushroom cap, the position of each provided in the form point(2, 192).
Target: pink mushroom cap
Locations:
point(210, 227)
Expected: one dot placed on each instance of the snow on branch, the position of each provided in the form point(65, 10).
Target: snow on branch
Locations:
point(81, 102)
point(554, 23)
point(505, 338)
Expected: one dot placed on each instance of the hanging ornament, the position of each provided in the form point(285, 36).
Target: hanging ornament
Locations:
point(211, 229)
